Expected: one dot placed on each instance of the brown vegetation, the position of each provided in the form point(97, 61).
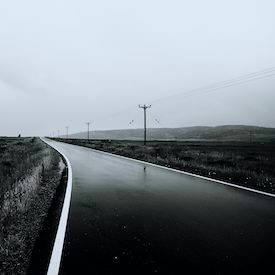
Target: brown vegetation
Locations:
point(29, 175)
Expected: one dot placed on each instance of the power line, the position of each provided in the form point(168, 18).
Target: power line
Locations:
point(125, 111)
point(220, 85)
point(163, 127)
point(134, 119)
point(154, 118)
point(205, 89)
point(202, 92)
point(217, 86)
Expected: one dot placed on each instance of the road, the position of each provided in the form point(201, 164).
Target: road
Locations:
point(129, 217)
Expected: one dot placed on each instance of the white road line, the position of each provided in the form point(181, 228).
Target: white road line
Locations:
point(186, 173)
point(54, 265)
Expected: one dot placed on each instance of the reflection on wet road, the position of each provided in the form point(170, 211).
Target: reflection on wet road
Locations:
point(128, 217)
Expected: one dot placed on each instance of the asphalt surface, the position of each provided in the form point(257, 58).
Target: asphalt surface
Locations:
point(129, 217)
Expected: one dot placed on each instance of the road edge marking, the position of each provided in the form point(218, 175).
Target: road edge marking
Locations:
point(183, 172)
point(54, 265)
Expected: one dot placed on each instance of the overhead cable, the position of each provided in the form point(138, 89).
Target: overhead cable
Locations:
point(217, 86)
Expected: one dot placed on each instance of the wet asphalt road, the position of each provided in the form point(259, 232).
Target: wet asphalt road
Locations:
point(128, 217)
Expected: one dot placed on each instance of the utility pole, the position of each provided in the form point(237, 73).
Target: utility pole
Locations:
point(88, 127)
point(144, 108)
point(58, 133)
point(67, 131)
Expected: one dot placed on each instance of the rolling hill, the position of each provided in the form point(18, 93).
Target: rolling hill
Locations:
point(221, 133)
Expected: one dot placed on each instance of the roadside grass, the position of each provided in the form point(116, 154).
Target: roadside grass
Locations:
point(25, 163)
point(242, 163)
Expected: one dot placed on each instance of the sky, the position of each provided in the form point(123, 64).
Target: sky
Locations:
point(66, 63)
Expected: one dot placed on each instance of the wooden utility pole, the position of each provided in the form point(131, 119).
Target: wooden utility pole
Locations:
point(144, 108)
point(67, 131)
point(88, 127)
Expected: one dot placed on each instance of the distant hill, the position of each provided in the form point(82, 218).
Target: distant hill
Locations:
point(222, 133)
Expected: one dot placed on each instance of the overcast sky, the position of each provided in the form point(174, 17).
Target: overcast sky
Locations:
point(64, 63)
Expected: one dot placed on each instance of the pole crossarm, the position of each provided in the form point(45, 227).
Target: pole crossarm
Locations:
point(144, 107)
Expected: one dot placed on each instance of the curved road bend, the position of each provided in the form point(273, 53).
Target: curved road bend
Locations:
point(129, 217)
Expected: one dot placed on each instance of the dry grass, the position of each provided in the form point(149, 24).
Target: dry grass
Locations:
point(23, 165)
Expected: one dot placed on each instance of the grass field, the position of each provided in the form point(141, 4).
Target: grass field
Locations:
point(242, 163)
point(27, 169)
